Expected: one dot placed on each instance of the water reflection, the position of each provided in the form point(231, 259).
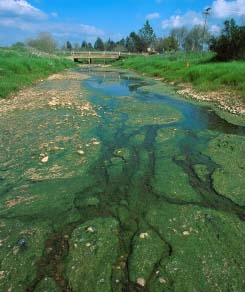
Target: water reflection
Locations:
point(196, 117)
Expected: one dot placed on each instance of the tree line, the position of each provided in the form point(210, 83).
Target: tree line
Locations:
point(229, 45)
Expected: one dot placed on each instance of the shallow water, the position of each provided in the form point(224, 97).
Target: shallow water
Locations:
point(135, 183)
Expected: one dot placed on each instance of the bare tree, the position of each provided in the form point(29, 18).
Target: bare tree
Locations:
point(194, 39)
point(44, 42)
point(179, 34)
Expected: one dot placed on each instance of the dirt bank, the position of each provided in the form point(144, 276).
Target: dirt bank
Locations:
point(224, 99)
point(38, 97)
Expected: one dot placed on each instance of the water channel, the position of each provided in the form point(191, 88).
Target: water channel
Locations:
point(110, 185)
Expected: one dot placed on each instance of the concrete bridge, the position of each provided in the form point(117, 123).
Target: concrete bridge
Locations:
point(100, 57)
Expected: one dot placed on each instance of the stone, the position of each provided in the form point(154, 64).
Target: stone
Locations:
point(185, 233)
point(162, 281)
point(141, 282)
point(144, 235)
point(44, 159)
point(90, 229)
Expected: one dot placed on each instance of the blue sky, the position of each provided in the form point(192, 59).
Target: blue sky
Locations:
point(78, 20)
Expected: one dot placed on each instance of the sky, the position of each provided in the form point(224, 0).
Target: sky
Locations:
point(86, 20)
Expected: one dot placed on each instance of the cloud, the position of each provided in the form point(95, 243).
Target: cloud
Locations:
point(90, 30)
point(189, 19)
point(220, 10)
point(54, 14)
point(20, 8)
point(154, 15)
point(214, 29)
point(227, 9)
point(19, 20)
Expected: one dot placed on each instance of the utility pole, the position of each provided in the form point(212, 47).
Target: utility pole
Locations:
point(206, 14)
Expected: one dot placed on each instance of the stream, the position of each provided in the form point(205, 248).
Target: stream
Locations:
point(110, 185)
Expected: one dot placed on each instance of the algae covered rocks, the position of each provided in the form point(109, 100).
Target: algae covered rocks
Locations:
point(115, 188)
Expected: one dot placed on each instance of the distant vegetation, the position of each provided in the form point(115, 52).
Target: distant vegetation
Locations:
point(183, 56)
point(229, 45)
point(199, 69)
point(44, 42)
point(20, 66)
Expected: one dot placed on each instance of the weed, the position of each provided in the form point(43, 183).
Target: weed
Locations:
point(196, 68)
point(21, 68)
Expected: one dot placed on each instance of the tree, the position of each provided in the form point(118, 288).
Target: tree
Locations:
point(134, 43)
point(19, 46)
point(166, 44)
point(84, 46)
point(76, 47)
point(68, 46)
point(231, 43)
point(120, 46)
point(170, 44)
point(109, 45)
point(147, 36)
point(44, 42)
point(194, 39)
point(99, 44)
point(179, 34)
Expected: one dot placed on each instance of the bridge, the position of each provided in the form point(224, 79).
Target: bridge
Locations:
point(91, 57)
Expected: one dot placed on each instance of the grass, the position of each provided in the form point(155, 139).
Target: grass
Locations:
point(19, 68)
point(196, 68)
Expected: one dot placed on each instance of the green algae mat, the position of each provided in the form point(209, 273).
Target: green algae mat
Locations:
point(106, 185)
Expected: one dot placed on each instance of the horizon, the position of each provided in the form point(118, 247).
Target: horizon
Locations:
point(77, 22)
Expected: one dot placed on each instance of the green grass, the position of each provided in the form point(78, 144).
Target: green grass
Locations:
point(202, 72)
point(19, 68)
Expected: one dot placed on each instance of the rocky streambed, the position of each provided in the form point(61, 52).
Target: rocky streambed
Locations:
point(107, 185)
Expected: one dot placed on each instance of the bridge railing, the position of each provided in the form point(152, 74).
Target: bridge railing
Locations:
point(86, 53)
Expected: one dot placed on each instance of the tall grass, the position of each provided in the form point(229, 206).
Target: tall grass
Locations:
point(19, 68)
point(196, 68)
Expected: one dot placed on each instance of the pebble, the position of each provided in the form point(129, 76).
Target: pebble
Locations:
point(141, 282)
point(144, 235)
point(44, 159)
point(90, 229)
point(185, 233)
point(162, 281)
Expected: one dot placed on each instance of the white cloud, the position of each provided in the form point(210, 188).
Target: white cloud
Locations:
point(189, 19)
point(17, 8)
point(220, 10)
point(154, 15)
point(91, 30)
point(19, 20)
point(214, 29)
point(227, 9)
point(174, 21)
point(54, 14)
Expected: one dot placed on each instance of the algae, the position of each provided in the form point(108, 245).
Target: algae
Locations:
point(205, 244)
point(93, 252)
point(107, 187)
point(228, 179)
